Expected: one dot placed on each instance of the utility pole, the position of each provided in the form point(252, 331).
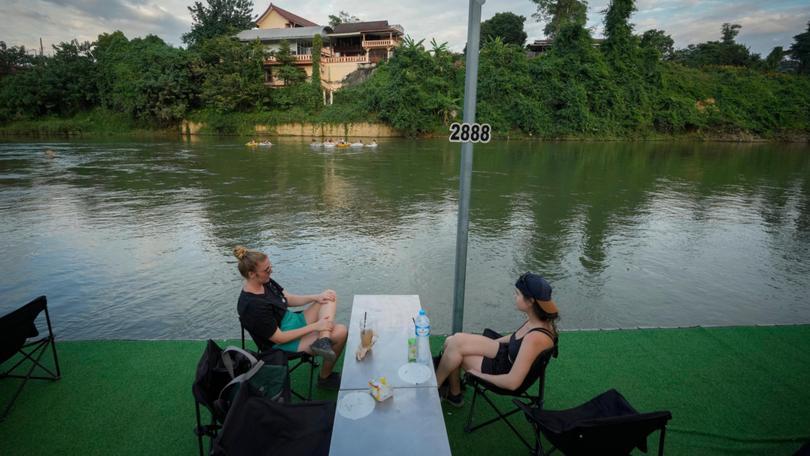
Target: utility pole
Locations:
point(465, 174)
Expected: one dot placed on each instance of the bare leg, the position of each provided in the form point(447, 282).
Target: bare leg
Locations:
point(316, 311)
point(338, 337)
point(463, 350)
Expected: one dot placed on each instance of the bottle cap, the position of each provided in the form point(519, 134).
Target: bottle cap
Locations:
point(421, 311)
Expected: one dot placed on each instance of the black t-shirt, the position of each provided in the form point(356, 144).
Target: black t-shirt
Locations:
point(261, 314)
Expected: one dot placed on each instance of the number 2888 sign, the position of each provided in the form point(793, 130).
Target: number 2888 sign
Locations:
point(475, 132)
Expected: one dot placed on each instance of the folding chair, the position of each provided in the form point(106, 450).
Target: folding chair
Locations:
point(15, 329)
point(211, 377)
point(536, 374)
point(301, 357)
point(218, 377)
point(605, 425)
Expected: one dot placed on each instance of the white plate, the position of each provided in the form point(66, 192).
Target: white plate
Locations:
point(414, 373)
point(356, 405)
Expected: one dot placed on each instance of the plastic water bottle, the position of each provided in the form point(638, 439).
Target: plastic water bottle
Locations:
point(422, 338)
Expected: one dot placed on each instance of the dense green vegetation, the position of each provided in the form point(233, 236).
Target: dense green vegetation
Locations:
point(626, 85)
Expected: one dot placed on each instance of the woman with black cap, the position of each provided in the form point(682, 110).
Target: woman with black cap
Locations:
point(504, 362)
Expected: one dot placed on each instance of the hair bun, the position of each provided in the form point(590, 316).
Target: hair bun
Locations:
point(239, 252)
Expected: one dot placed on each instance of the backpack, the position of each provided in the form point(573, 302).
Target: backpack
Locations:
point(268, 376)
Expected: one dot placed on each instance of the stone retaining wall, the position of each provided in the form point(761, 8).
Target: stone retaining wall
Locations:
point(362, 130)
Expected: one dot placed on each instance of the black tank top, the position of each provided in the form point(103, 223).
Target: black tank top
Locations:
point(514, 343)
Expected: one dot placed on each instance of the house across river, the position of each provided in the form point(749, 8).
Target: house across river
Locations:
point(346, 47)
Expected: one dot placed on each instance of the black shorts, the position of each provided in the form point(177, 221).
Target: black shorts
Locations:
point(498, 365)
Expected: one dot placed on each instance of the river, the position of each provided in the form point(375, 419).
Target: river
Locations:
point(132, 239)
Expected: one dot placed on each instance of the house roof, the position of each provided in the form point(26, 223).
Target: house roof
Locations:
point(295, 19)
point(352, 28)
point(278, 34)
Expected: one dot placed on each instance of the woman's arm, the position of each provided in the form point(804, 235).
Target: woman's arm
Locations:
point(533, 344)
point(302, 300)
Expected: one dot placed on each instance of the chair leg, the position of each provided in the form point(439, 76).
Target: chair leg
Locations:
point(661, 441)
point(311, 374)
point(199, 430)
point(468, 425)
point(501, 416)
point(53, 343)
point(7, 409)
point(34, 356)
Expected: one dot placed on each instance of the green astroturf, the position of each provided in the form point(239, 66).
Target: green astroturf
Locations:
point(737, 390)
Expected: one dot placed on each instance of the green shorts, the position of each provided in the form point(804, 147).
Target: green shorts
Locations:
point(291, 320)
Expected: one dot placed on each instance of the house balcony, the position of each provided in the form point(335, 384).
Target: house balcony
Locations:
point(302, 59)
point(345, 59)
point(370, 44)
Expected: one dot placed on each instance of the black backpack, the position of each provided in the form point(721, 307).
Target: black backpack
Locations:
point(266, 372)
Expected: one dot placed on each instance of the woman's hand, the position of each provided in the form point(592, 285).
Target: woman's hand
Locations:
point(326, 296)
point(324, 324)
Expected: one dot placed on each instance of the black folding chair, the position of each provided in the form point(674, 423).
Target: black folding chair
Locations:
point(210, 378)
point(605, 425)
point(300, 357)
point(15, 330)
point(537, 374)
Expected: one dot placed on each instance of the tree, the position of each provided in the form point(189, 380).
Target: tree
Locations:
point(800, 51)
point(774, 58)
point(12, 58)
point(220, 17)
point(152, 82)
point(508, 26)
point(559, 13)
point(112, 49)
point(725, 52)
point(287, 70)
point(64, 84)
point(317, 46)
point(620, 44)
point(730, 31)
point(232, 74)
point(506, 94)
point(659, 41)
point(342, 18)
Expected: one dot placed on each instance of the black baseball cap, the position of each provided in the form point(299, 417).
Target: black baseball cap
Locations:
point(535, 286)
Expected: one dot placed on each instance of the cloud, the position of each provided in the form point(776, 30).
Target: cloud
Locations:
point(63, 20)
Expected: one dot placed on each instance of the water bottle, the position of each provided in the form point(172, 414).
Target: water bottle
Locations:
point(422, 338)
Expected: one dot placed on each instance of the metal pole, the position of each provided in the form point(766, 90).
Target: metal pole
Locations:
point(465, 174)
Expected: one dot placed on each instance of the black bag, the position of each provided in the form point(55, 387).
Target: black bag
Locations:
point(268, 375)
point(258, 426)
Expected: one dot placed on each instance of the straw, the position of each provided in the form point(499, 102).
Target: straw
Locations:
point(365, 314)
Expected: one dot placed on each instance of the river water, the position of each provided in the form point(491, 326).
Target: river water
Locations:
point(132, 240)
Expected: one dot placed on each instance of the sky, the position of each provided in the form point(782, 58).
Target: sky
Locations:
point(765, 24)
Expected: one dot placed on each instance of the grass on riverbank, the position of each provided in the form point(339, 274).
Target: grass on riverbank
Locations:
point(102, 123)
point(96, 123)
point(740, 390)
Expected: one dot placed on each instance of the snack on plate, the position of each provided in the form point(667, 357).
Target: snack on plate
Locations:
point(379, 389)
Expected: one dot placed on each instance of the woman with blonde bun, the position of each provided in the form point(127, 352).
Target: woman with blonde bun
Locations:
point(263, 308)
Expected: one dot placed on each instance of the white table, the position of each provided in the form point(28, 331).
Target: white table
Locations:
point(411, 422)
point(393, 317)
